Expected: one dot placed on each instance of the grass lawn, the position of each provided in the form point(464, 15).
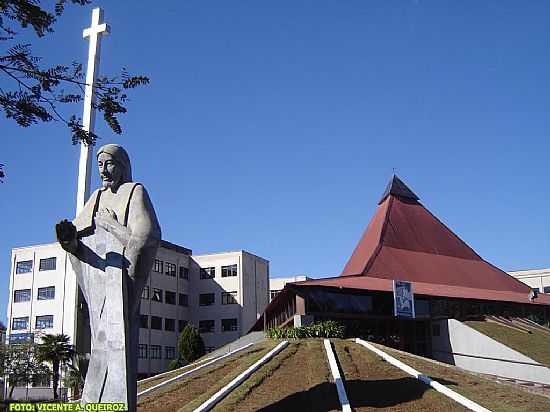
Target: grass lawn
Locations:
point(192, 391)
point(297, 379)
point(536, 345)
point(374, 385)
point(498, 397)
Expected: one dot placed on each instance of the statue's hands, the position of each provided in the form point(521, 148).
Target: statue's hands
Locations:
point(66, 235)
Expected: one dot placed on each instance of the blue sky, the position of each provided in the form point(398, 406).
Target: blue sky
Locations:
point(274, 127)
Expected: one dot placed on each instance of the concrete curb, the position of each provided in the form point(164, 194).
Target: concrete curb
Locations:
point(201, 365)
point(427, 380)
point(223, 392)
point(342, 396)
point(183, 367)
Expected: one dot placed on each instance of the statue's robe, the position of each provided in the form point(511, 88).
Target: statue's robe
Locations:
point(112, 266)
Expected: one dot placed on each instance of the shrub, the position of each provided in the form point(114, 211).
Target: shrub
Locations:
point(326, 329)
point(190, 344)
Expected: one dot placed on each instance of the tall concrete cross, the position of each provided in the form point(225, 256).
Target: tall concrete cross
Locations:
point(94, 32)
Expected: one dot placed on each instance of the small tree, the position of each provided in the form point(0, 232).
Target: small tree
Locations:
point(56, 350)
point(74, 378)
point(190, 344)
point(19, 363)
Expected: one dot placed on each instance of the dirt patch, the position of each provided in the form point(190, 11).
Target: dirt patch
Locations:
point(373, 384)
point(495, 396)
point(180, 393)
point(299, 382)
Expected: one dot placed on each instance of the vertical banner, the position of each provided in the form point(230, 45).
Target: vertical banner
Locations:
point(403, 299)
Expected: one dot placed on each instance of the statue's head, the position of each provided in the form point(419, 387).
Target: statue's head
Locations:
point(114, 166)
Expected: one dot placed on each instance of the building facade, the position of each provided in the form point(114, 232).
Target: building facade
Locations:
point(537, 279)
point(222, 294)
point(277, 284)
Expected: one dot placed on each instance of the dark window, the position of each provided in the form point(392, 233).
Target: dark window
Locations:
point(546, 289)
point(228, 271)
point(46, 293)
point(536, 290)
point(47, 264)
point(229, 298)
point(183, 299)
point(169, 324)
point(229, 325)
point(208, 273)
point(206, 299)
point(181, 324)
point(156, 322)
point(20, 323)
point(436, 329)
point(170, 269)
point(206, 326)
point(169, 352)
point(142, 351)
point(272, 294)
point(23, 267)
point(184, 273)
point(155, 352)
point(144, 321)
point(22, 295)
point(157, 266)
point(16, 338)
point(44, 322)
point(145, 293)
point(170, 297)
point(157, 295)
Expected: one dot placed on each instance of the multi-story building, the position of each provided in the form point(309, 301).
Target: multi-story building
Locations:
point(221, 293)
point(536, 279)
point(277, 284)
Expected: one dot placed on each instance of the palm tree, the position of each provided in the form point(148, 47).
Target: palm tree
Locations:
point(56, 350)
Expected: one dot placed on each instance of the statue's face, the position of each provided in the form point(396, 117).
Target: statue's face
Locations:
point(110, 171)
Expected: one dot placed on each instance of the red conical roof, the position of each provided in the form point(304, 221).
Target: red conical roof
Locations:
point(405, 241)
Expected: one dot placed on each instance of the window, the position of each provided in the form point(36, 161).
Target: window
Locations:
point(229, 298)
point(209, 349)
point(22, 295)
point(142, 351)
point(169, 352)
point(229, 325)
point(145, 293)
point(184, 273)
point(47, 264)
point(228, 271)
point(20, 323)
point(169, 324)
point(208, 273)
point(24, 266)
point(183, 299)
point(536, 290)
point(144, 321)
point(155, 352)
point(157, 295)
point(436, 329)
point(16, 338)
point(206, 326)
point(181, 324)
point(46, 293)
point(546, 289)
point(44, 322)
point(272, 294)
point(170, 269)
point(206, 299)
point(156, 322)
point(170, 297)
point(157, 266)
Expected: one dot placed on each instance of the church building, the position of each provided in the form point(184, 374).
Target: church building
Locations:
point(405, 242)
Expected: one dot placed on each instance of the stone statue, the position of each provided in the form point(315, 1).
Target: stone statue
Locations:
point(112, 244)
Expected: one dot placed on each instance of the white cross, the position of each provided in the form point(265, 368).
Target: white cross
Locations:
point(84, 168)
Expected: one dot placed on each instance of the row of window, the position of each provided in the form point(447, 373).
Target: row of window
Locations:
point(167, 296)
point(155, 352)
point(209, 325)
point(25, 266)
point(210, 272)
point(42, 322)
point(546, 289)
point(169, 269)
point(227, 298)
point(24, 295)
point(156, 323)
